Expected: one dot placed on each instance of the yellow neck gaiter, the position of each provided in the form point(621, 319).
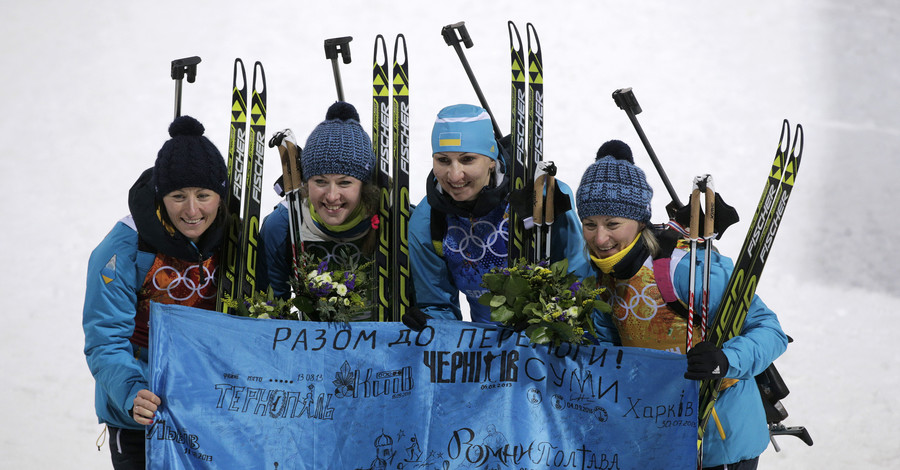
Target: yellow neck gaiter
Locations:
point(606, 264)
point(353, 219)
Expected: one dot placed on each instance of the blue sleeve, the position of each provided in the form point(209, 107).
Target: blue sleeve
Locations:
point(110, 305)
point(277, 251)
point(761, 340)
point(435, 293)
point(568, 241)
point(607, 334)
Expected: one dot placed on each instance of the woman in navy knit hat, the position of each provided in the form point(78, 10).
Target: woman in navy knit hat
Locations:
point(468, 190)
point(339, 199)
point(165, 251)
point(613, 202)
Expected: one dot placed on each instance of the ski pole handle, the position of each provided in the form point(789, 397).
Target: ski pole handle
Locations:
point(180, 69)
point(454, 34)
point(335, 47)
point(625, 99)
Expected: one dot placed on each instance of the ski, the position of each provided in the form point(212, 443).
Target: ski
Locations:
point(748, 267)
point(400, 195)
point(256, 145)
point(381, 143)
point(516, 249)
point(535, 243)
point(227, 277)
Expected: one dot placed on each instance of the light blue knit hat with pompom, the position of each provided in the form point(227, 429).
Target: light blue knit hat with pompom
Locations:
point(614, 186)
point(339, 145)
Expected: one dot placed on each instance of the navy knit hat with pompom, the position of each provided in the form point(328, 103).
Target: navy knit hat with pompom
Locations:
point(339, 145)
point(188, 160)
point(613, 186)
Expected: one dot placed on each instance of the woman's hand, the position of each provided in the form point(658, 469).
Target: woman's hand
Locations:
point(145, 405)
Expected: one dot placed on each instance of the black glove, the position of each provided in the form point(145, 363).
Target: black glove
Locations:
point(705, 361)
point(415, 319)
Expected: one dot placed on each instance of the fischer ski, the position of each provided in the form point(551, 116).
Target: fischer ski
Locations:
point(537, 245)
point(232, 252)
point(400, 195)
point(381, 143)
point(518, 136)
point(741, 287)
point(390, 141)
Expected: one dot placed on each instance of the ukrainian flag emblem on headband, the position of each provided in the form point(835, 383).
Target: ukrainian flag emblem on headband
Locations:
point(450, 139)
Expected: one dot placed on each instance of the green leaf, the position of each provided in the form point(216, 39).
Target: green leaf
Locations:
point(494, 282)
point(517, 286)
point(560, 268)
point(485, 299)
point(502, 314)
point(498, 300)
point(539, 335)
point(602, 306)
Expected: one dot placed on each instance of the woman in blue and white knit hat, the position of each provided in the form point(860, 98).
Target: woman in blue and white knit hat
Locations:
point(641, 266)
point(460, 229)
point(339, 199)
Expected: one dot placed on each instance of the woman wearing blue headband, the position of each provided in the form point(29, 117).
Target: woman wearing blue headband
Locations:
point(460, 229)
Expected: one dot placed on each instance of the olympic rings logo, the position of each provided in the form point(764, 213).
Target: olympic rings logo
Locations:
point(631, 302)
point(341, 254)
point(472, 246)
point(184, 281)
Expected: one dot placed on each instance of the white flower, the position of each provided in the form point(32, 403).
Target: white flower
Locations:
point(340, 289)
point(312, 274)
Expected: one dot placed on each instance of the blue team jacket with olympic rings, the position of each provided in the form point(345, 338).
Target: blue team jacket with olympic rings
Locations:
point(472, 246)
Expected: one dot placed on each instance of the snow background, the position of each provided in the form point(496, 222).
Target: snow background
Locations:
point(91, 98)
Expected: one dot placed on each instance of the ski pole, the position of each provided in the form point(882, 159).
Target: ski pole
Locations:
point(454, 34)
point(182, 68)
point(624, 98)
point(706, 187)
point(333, 48)
point(692, 235)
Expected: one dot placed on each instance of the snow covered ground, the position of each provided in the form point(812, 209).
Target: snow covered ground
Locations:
point(91, 98)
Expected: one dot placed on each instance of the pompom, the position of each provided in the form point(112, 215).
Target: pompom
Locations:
point(187, 126)
point(616, 149)
point(343, 111)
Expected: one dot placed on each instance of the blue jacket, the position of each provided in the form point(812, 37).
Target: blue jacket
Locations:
point(739, 407)
point(116, 273)
point(438, 280)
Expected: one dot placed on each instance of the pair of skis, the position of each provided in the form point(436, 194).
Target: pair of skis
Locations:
point(390, 142)
point(237, 269)
point(529, 233)
point(741, 287)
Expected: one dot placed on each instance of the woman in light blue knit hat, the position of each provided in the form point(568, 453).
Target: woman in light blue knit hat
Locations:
point(339, 199)
point(626, 251)
point(460, 229)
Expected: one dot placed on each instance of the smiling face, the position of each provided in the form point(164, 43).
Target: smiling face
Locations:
point(192, 210)
point(462, 175)
point(606, 236)
point(334, 197)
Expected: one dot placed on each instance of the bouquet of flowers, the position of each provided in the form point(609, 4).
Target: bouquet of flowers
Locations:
point(336, 296)
point(319, 295)
point(550, 304)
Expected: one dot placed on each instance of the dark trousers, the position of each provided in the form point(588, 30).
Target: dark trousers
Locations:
point(749, 464)
point(126, 447)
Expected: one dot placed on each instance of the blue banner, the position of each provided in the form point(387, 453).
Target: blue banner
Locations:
point(282, 395)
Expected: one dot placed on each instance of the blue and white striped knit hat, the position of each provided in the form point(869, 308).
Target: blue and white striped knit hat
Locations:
point(464, 128)
point(613, 186)
point(339, 145)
